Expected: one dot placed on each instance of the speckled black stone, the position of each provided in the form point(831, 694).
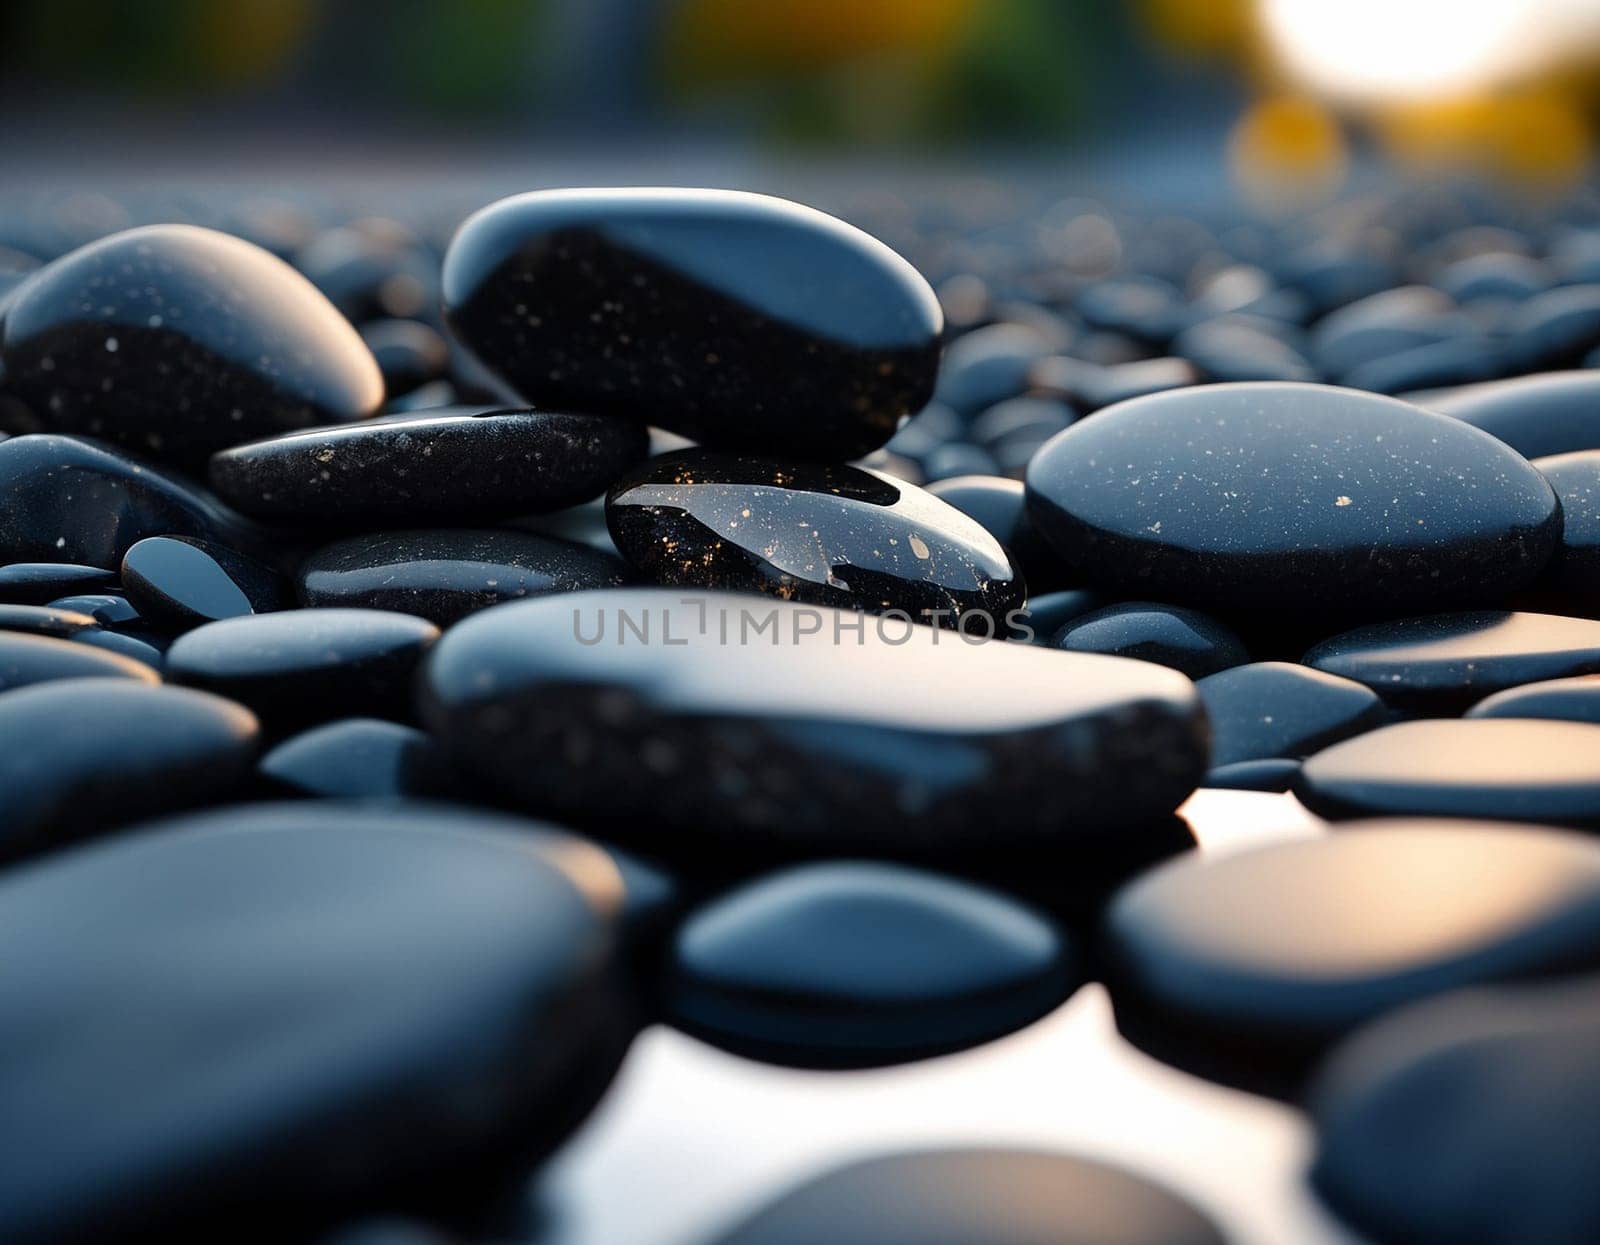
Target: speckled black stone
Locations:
point(839, 536)
point(1564, 700)
point(301, 1011)
point(1167, 635)
point(1442, 663)
point(460, 463)
point(29, 659)
point(1001, 506)
point(179, 584)
point(1278, 709)
point(1538, 415)
point(445, 575)
point(81, 755)
point(957, 1197)
point(1246, 967)
point(1292, 499)
point(1572, 579)
point(178, 341)
point(39, 583)
point(44, 620)
point(739, 320)
point(809, 729)
point(861, 965)
point(360, 758)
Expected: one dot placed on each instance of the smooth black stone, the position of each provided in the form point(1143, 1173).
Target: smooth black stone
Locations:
point(1264, 774)
point(925, 431)
point(1540, 415)
point(39, 583)
point(178, 341)
point(141, 645)
point(1493, 276)
point(838, 536)
point(1005, 421)
point(1514, 770)
point(1246, 967)
point(1231, 349)
point(447, 574)
point(179, 584)
point(462, 463)
point(1047, 613)
point(856, 965)
point(1384, 324)
point(1000, 505)
point(1140, 306)
point(81, 501)
point(1556, 328)
point(1292, 500)
point(827, 730)
point(409, 353)
point(300, 1011)
point(1573, 577)
point(360, 758)
point(957, 1197)
point(299, 667)
point(1167, 635)
point(82, 755)
point(44, 620)
point(1564, 700)
point(1330, 277)
point(1442, 663)
point(957, 458)
point(28, 659)
point(109, 609)
point(739, 320)
point(1274, 709)
point(1458, 360)
point(989, 365)
point(1467, 1120)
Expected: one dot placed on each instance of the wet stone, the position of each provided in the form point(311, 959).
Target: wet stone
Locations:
point(360, 758)
point(1049, 612)
point(29, 659)
point(1564, 700)
point(109, 609)
point(178, 341)
point(1539, 415)
point(742, 321)
point(863, 965)
point(460, 463)
point(839, 536)
point(1167, 635)
point(1573, 577)
point(39, 583)
point(1279, 499)
point(1000, 505)
point(179, 584)
point(1277, 709)
point(141, 645)
point(1247, 967)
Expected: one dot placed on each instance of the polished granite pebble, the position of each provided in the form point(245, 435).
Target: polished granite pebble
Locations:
point(822, 535)
point(178, 584)
point(1292, 499)
point(39, 583)
point(360, 758)
point(1507, 768)
point(109, 609)
point(1263, 774)
point(1572, 580)
point(1442, 663)
point(300, 667)
point(855, 964)
point(1273, 709)
point(1167, 635)
point(715, 722)
point(28, 659)
point(1245, 968)
point(1471, 1119)
point(446, 574)
point(460, 463)
point(1000, 505)
point(1564, 700)
point(742, 321)
point(300, 1011)
point(1538, 415)
point(44, 620)
point(961, 1196)
point(81, 755)
point(178, 341)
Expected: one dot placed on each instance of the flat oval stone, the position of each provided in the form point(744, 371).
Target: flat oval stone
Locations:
point(1442, 663)
point(1573, 577)
point(180, 584)
point(300, 667)
point(1512, 769)
point(1292, 499)
point(825, 535)
point(1264, 774)
point(28, 659)
point(459, 463)
point(39, 583)
point(178, 341)
point(81, 755)
point(321, 1007)
point(765, 725)
point(1564, 700)
point(445, 575)
point(863, 965)
point(739, 320)
point(956, 1197)
point(44, 620)
point(109, 609)
point(1538, 415)
point(360, 758)
point(1246, 967)
point(1278, 709)
point(1167, 635)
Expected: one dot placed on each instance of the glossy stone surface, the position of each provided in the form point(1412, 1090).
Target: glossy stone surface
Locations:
point(44, 620)
point(1246, 967)
point(839, 536)
point(445, 575)
point(1538, 415)
point(109, 609)
point(957, 1197)
point(459, 463)
point(739, 320)
point(1278, 709)
point(300, 667)
point(265, 991)
point(181, 584)
point(1442, 663)
point(862, 965)
point(1515, 770)
point(81, 755)
point(1564, 700)
point(1573, 577)
point(39, 583)
point(1001, 506)
point(28, 659)
point(360, 758)
point(1292, 499)
point(1167, 635)
point(178, 341)
point(808, 729)
point(1048, 612)
point(1473, 1118)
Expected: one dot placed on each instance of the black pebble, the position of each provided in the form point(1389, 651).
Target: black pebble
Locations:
point(109, 609)
point(1000, 505)
point(27, 659)
point(1539, 415)
point(39, 583)
point(360, 758)
point(179, 584)
point(1565, 700)
point(1572, 580)
point(44, 620)
point(1167, 635)
point(1277, 709)
point(1264, 774)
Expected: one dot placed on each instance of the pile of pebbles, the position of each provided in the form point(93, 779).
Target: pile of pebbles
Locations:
point(420, 672)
